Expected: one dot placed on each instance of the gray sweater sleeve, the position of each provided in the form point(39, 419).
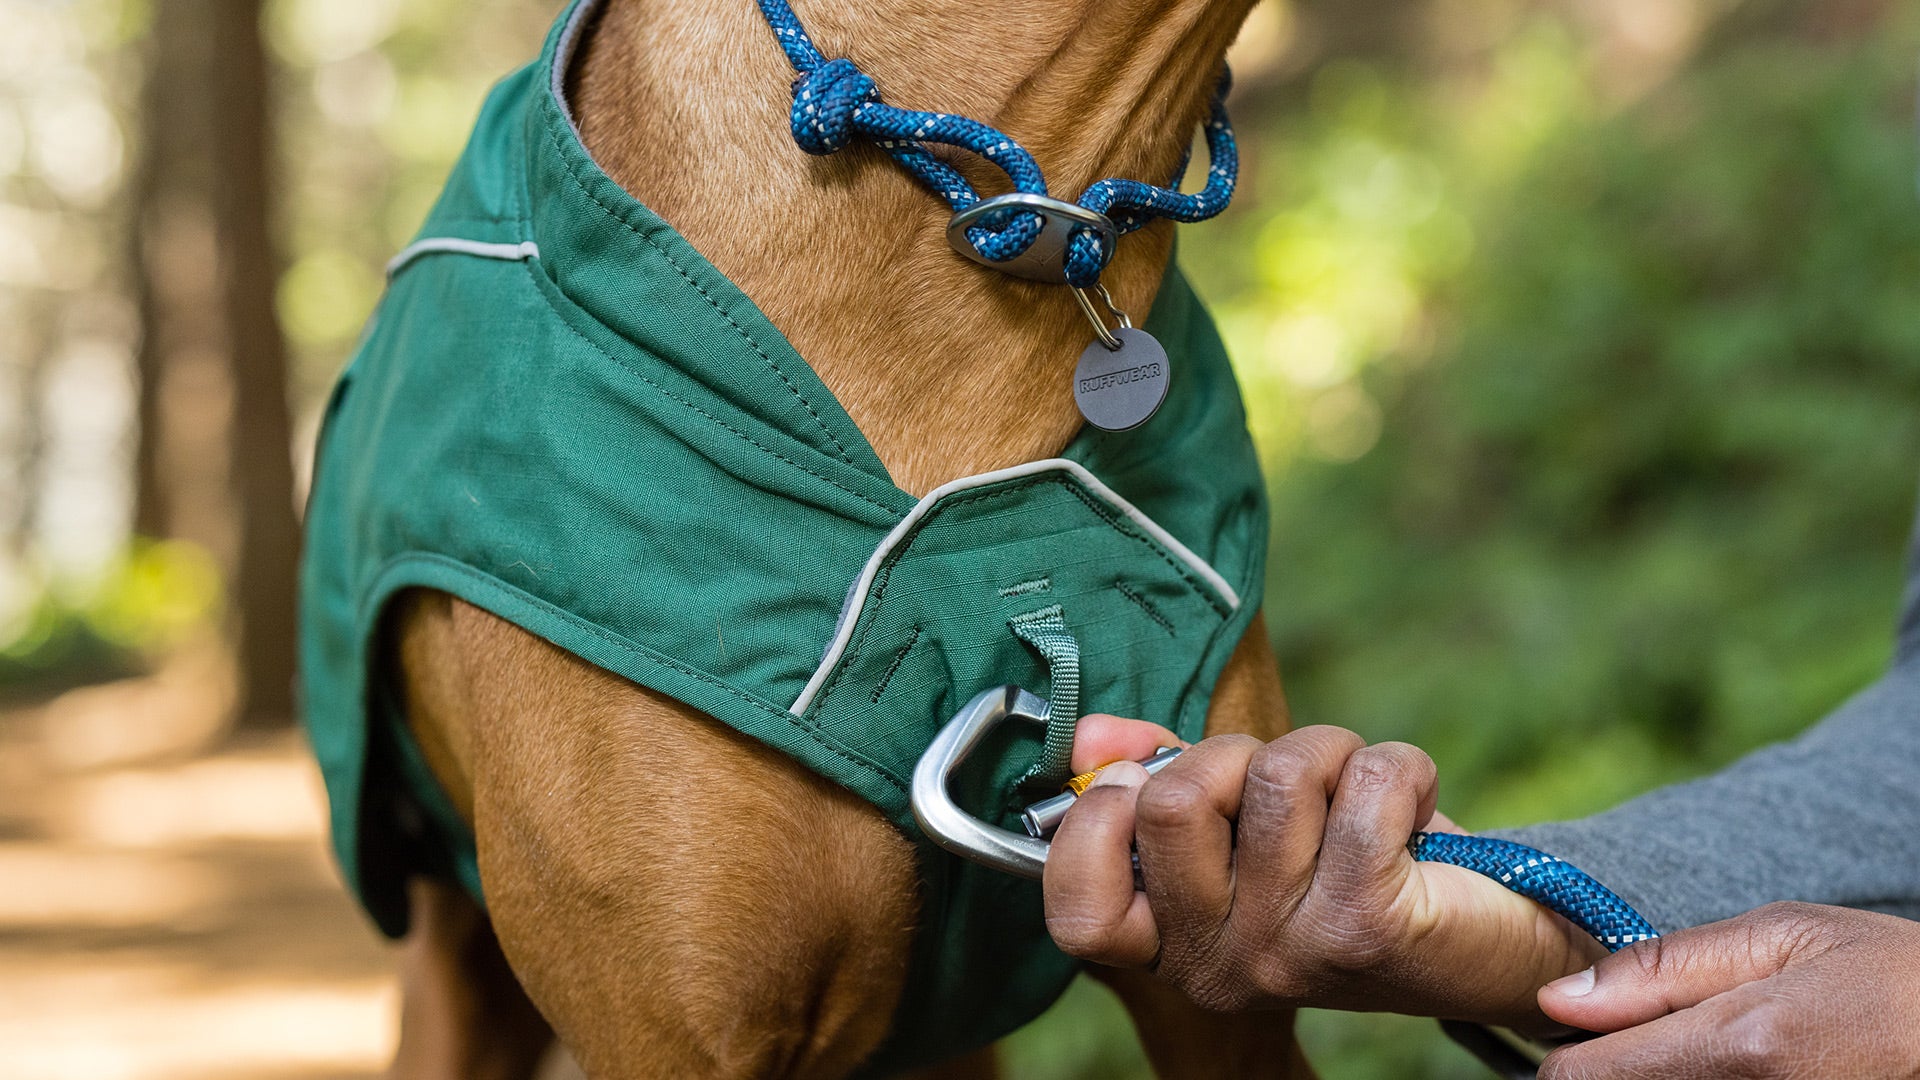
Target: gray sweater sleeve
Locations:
point(1831, 817)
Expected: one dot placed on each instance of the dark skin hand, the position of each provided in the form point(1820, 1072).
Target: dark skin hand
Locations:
point(1785, 991)
point(1277, 875)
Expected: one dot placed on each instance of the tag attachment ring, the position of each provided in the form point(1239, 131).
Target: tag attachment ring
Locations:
point(1107, 337)
point(1046, 258)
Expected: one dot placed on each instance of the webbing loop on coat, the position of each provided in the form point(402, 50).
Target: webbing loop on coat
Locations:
point(834, 101)
point(1046, 631)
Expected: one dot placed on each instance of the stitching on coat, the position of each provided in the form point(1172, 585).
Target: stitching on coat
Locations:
point(639, 651)
point(553, 138)
point(1146, 606)
point(1127, 528)
point(642, 376)
point(1039, 584)
point(912, 636)
point(876, 594)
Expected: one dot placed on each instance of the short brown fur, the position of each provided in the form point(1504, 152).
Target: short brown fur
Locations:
point(677, 899)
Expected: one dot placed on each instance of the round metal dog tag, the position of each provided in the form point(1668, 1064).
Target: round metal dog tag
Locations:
point(1120, 389)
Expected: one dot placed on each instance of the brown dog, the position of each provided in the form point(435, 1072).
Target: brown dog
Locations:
point(752, 918)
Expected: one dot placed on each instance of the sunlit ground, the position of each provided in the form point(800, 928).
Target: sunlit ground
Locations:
point(173, 913)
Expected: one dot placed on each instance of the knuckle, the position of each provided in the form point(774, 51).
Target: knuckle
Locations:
point(1327, 737)
point(1235, 740)
point(1753, 1046)
point(1319, 749)
point(1373, 769)
point(1567, 1063)
point(1087, 937)
point(1410, 759)
point(1789, 916)
point(1279, 765)
point(1787, 909)
point(1170, 799)
point(1784, 928)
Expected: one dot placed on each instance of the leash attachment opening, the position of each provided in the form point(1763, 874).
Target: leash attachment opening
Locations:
point(958, 831)
point(1046, 632)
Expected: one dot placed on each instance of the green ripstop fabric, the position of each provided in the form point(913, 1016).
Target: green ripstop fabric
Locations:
point(563, 414)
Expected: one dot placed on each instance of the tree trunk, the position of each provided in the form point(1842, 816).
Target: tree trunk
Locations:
point(171, 166)
point(262, 437)
point(32, 315)
point(214, 459)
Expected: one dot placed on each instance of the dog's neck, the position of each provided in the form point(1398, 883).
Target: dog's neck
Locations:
point(948, 368)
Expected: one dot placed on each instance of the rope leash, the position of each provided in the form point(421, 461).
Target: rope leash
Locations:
point(1553, 882)
point(834, 102)
point(1547, 880)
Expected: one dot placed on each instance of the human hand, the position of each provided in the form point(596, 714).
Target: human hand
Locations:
point(1315, 901)
point(1788, 990)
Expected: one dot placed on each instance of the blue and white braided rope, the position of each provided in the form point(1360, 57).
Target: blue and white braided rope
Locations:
point(834, 101)
point(1556, 883)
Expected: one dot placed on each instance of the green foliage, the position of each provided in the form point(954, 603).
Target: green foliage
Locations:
point(1590, 425)
point(158, 594)
point(1640, 505)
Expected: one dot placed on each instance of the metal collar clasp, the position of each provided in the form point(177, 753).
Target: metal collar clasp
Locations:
point(1046, 258)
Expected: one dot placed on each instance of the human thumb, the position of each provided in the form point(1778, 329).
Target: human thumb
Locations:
point(1099, 739)
point(1652, 978)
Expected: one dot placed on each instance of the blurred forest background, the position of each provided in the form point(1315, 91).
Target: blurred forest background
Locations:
point(1581, 340)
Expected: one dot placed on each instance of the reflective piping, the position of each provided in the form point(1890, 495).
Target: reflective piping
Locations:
point(563, 59)
point(525, 249)
point(857, 596)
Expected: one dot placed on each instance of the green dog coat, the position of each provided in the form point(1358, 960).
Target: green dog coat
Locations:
point(564, 415)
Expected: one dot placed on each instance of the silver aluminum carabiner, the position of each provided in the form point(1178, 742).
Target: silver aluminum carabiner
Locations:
point(942, 819)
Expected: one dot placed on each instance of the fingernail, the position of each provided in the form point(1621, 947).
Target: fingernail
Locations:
point(1578, 984)
point(1119, 774)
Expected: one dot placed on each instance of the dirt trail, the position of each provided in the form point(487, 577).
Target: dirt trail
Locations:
point(167, 912)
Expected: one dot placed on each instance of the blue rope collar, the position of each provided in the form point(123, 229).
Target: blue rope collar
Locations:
point(834, 102)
